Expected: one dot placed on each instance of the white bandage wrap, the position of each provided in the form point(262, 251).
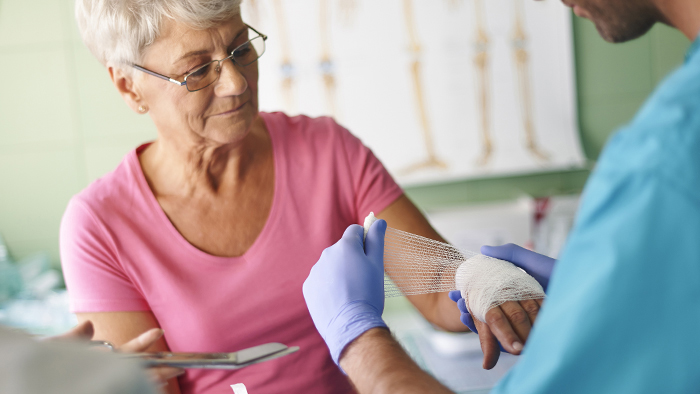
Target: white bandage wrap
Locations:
point(419, 265)
point(368, 223)
point(486, 283)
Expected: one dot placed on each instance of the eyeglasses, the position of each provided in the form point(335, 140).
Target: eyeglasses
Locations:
point(205, 75)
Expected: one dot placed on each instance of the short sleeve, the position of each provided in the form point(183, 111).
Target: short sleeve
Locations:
point(375, 189)
point(95, 280)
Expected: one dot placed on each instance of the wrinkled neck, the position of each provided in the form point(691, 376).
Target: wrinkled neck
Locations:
point(194, 166)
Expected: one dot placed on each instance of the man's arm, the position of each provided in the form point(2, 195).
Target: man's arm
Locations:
point(376, 364)
point(345, 296)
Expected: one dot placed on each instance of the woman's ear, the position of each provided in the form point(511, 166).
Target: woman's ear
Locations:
point(124, 83)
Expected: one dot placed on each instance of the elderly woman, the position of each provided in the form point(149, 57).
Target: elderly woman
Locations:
point(209, 231)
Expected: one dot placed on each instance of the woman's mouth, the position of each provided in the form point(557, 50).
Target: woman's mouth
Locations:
point(232, 110)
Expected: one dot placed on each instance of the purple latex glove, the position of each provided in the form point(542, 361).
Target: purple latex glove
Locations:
point(345, 289)
point(465, 316)
point(536, 265)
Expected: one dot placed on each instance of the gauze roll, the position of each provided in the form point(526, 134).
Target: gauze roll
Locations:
point(419, 265)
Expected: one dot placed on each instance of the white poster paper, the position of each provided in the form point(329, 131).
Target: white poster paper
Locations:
point(440, 90)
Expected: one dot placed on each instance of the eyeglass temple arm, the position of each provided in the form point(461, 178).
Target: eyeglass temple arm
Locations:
point(260, 34)
point(155, 74)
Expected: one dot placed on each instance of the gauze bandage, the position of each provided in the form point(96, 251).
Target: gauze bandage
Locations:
point(419, 265)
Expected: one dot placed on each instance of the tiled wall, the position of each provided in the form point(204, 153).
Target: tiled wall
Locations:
point(62, 123)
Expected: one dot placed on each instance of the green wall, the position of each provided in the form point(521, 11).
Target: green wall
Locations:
point(62, 124)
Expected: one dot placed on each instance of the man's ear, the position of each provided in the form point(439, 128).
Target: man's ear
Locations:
point(125, 86)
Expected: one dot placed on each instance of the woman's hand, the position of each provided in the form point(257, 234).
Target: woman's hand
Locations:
point(507, 326)
point(159, 375)
point(510, 323)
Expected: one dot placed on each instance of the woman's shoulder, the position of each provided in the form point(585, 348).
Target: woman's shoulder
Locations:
point(116, 188)
point(303, 126)
point(301, 132)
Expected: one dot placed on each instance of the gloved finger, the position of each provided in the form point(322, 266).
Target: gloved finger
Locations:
point(374, 244)
point(355, 234)
point(489, 346)
point(462, 305)
point(503, 252)
point(468, 320)
point(500, 326)
point(532, 308)
point(455, 295)
point(518, 318)
point(142, 342)
point(538, 266)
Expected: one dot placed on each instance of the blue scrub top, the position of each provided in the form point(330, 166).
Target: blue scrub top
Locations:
point(623, 310)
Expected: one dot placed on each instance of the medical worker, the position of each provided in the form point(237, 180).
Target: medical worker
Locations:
point(623, 306)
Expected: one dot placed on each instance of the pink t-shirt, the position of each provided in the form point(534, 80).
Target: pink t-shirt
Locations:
point(121, 253)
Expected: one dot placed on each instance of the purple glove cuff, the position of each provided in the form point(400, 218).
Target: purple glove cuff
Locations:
point(354, 319)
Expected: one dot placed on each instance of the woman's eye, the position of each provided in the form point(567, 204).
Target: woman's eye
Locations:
point(242, 51)
point(199, 73)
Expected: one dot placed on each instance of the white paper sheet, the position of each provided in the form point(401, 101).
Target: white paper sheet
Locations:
point(354, 59)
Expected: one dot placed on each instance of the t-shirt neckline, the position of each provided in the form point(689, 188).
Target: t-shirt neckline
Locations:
point(186, 245)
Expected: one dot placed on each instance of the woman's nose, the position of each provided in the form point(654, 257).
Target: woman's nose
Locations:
point(231, 81)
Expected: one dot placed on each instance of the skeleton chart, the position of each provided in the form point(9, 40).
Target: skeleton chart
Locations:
point(522, 64)
point(439, 90)
point(414, 46)
point(326, 61)
point(481, 62)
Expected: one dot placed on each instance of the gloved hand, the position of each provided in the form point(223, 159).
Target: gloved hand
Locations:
point(465, 316)
point(345, 289)
point(536, 265)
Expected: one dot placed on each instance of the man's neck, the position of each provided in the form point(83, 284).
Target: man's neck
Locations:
point(684, 15)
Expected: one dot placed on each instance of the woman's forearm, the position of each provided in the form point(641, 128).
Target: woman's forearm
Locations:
point(439, 310)
point(376, 364)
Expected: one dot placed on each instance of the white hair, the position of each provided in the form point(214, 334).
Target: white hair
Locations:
point(117, 31)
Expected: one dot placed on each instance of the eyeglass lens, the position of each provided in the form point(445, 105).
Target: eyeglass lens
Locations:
point(244, 55)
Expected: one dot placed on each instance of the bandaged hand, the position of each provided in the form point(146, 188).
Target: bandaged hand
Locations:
point(345, 289)
point(510, 322)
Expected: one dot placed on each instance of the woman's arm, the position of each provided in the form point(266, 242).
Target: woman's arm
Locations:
point(437, 308)
point(121, 327)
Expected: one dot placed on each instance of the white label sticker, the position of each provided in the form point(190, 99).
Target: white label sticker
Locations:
point(239, 388)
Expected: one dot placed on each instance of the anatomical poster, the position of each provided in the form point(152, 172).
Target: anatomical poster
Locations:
point(440, 90)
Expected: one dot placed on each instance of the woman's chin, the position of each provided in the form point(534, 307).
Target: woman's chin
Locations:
point(229, 132)
point(223, 137)
point(230, 137)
